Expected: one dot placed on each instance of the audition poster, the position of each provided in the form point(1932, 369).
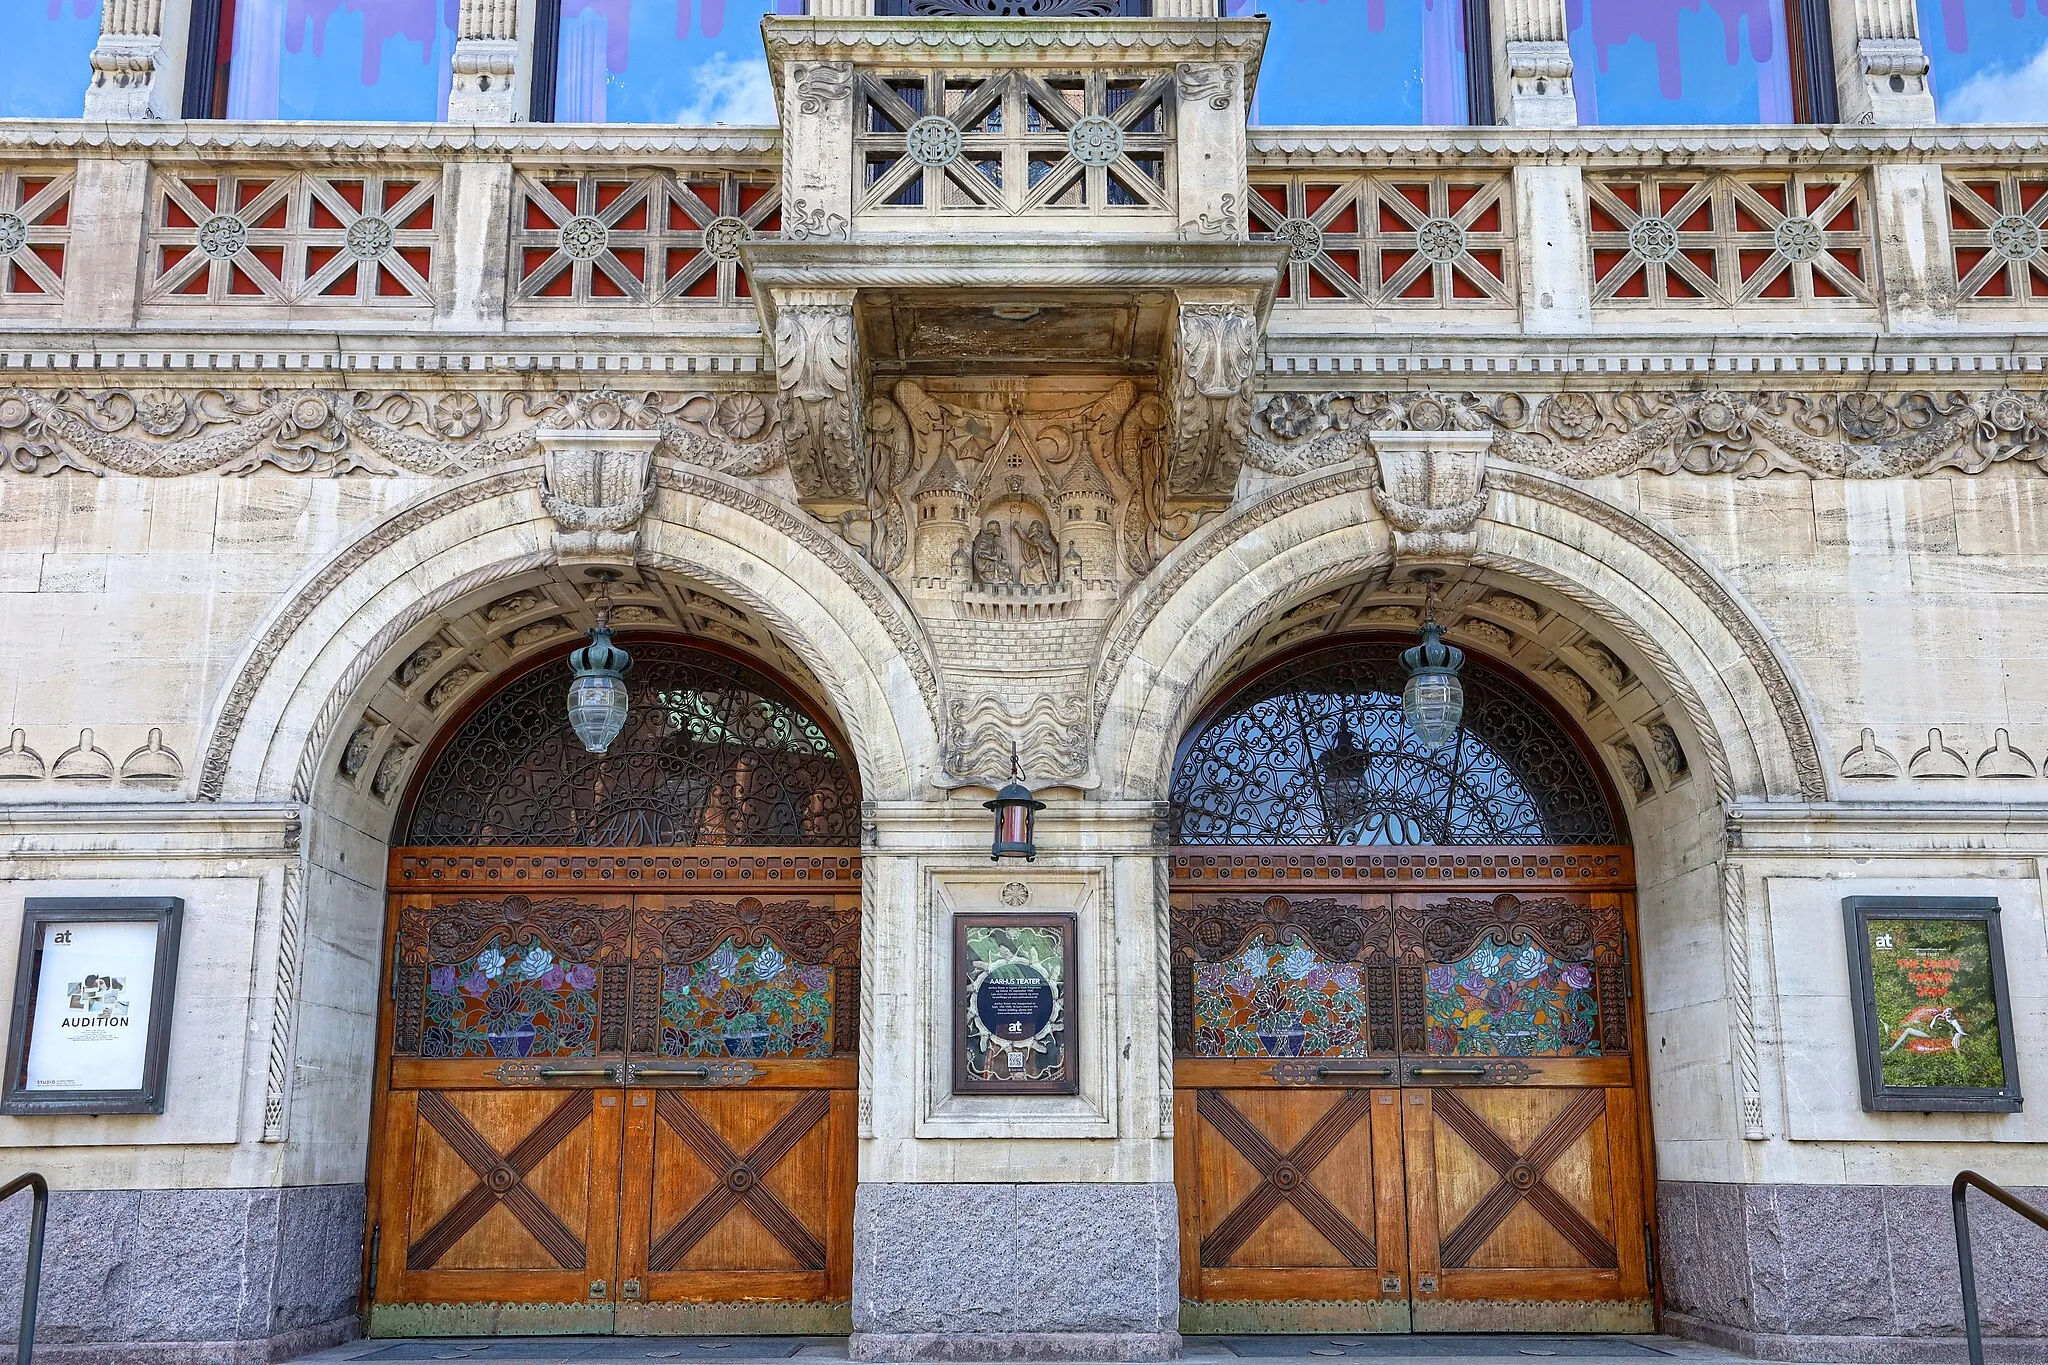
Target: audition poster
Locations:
point(94, 983)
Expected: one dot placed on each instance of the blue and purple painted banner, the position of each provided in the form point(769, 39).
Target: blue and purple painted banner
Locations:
point(1680, 61)
point(1361, 62)
point(43, 67)
point(339, 59)
point(1989, 58)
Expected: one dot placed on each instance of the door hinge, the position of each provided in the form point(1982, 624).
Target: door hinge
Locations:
point(1628, 967)
point(1650, 1252)
point(376, 1245)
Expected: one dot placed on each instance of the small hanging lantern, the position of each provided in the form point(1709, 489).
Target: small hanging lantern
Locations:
point(1433, 699)
point(597, 694)
point(1016, 812)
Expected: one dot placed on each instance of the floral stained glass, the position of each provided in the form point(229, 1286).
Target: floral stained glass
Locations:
point(1512, 1001)
point(746, 1000)
point(1279, 1000)
point(510, 1001)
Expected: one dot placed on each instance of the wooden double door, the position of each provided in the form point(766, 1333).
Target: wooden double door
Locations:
point(1406, 1106)
point(617, 1093)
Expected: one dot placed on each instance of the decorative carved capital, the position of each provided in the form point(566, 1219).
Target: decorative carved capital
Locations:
point(1539, 85)
point(1432, 489)
point(818, 397)
point(1215, 347)
point(1893, 89)
point(597, 485)
point(125, 86)
point(483, 89)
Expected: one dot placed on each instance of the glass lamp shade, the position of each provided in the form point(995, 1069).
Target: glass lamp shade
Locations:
point(597, 694)
point(1015, 812)
point(1433, 699)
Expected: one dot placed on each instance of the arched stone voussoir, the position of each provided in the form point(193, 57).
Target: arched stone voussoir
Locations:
point(352, 617)
point(1168, 648)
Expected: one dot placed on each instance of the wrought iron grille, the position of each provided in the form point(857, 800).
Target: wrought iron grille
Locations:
point(713, 753)
point(1023, 9)
point(1317, 752)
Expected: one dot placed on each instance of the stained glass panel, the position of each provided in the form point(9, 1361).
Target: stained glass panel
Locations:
point(43, 67)
point(339, 59)
point(1512, 1000)
point(1280, 1000)
point(1318, 752)
point(746, 1000)
point(1680, 61)
point(1989, 59)
point(1317, 48)
point(510, 1000)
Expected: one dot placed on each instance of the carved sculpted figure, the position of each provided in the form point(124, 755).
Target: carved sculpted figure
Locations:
point(990, 559)
point(1041, 557)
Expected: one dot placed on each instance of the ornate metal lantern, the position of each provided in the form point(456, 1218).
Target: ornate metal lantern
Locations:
point(1016, 812)
point(1433, 699)
point(597, 694)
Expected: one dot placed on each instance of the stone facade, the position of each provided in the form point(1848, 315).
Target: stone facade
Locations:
point(1751, 492)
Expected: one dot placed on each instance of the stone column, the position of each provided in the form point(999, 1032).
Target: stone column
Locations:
point(109, 219)
point(487, 58)
point(817, 151)
point(129, 80)
point(1880, 64)
point(474, 278)
point(1532, 65)
point(1185, 9)
point(1030, 1226)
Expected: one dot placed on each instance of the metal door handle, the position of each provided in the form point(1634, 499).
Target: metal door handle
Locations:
point(1354, 1071)
point(610, 1073)
point(635, 1070)
point(1449, 1071)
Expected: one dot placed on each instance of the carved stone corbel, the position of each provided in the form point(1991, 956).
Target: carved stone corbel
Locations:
point(1432, 490)
point(1216, 344)
point(819, 404)
point(127, 62)
point(597, 485)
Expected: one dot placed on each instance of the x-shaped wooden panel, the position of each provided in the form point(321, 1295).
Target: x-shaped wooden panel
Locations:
point(501, 1179)
point(1522, 1179)
point(739, 1180)
point(1284, 1179)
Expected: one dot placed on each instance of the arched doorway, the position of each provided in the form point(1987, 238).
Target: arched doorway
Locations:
point(1409, 1086)
point(616, 1080)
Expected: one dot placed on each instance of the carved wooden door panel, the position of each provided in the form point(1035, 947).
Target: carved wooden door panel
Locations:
point(1288, 1128)
point(497, 1176)
point(1522, 1131)
point(739, 1141)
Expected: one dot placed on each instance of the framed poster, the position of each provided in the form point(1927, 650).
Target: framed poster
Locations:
point(92, 1005)
point(1013, 1022)
point(1933, 1024)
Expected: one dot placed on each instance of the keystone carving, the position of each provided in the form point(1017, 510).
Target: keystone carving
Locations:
point(597, 485)
point(1432, 489)
point(1215, 346)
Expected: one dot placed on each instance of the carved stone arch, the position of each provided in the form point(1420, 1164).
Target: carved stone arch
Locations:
point(285, 720)
point(1180, 637)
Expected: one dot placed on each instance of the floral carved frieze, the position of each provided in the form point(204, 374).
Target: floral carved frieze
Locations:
point(1858, 434)
point(169, 432)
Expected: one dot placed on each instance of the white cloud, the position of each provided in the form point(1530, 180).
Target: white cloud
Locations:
point(2002, 95)
point(728, 91)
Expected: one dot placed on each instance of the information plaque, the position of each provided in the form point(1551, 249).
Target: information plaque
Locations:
point(1933, 1025)
point(1013, 1027)
point(92, 1005)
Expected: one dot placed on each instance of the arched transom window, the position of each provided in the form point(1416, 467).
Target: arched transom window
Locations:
point(1316, 751)
point(713, 752)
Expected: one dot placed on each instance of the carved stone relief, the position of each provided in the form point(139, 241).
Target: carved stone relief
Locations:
point(1215, 347)
point(1432, 490)
point(597, 485)
point(818, 399)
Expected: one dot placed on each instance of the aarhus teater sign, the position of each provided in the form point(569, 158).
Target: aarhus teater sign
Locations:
point(92, 1005)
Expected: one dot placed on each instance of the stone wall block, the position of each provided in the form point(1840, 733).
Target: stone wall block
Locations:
point(1917, 266)
point(1702, 1252)
point(1550, 215)
point(89, 1252)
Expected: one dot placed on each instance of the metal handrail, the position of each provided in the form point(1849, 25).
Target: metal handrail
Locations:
point(1957, 1195)
point(32, 1278)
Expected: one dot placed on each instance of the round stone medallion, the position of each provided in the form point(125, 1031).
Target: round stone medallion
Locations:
point(723, 238)
point(223, 237)
point(1096, 141)
point(1798, 239)
point(1653, 239)
point(2017, 238)
point(584, 238)
point(1440, 241)
point(1304, 239)
point(933, 141)
point(13, 233)
point(369, 238)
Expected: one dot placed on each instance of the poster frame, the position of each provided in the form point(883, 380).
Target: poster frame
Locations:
point(1878, 1097)
point(1068, 1082)
point(167, 913)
